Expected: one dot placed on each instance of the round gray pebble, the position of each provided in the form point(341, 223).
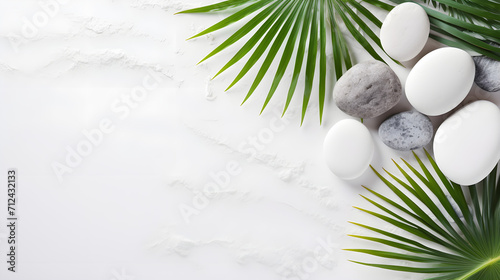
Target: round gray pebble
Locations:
point(367, 90)
point(406, 131)
point(487, 73)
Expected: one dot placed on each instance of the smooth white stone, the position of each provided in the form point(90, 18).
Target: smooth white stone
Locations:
point(467, 144)
point(405, 31)
point(348, 149)
point(440, 81)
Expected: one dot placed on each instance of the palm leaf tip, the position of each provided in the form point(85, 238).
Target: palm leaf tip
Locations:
point(472, 246)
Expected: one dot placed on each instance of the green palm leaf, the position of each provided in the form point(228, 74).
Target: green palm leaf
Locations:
point(299, 28)
point(436, 211)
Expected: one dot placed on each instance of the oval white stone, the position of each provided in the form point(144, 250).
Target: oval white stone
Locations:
point(467, 144)
point(440, 81)
point(348, 149)
point(405, 31)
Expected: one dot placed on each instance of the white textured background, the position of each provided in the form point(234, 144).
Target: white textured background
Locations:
point(118, 214)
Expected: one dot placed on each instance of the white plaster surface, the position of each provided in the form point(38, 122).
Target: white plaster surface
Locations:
point(117, 214)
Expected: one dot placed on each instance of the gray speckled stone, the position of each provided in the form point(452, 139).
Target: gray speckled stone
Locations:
point(487, 73)
point(367, 90)
point(406, 131)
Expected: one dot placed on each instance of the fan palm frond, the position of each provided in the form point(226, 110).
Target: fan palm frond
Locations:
point(458, 9)
point(301, 29)
point(460, 242)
